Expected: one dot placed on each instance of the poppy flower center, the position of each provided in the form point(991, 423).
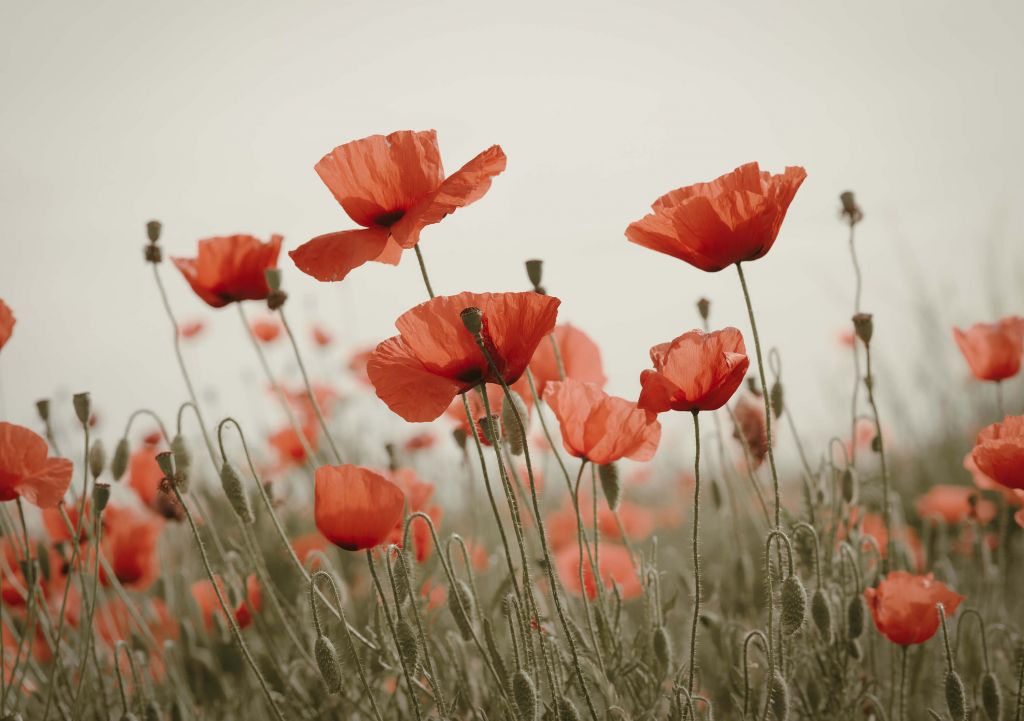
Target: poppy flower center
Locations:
point(386, 220)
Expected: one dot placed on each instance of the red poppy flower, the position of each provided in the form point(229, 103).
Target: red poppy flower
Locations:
point(993, 350)
point(734, 218)
point(26, 471)
point(321, 337)
point(354, 507)
point(420, 442)
point(357, 365)
point(434, 358)
point(145, 476)
point(457, 412)
point(695, 372)
point(130, 545)
point(7, 322)
point(999, 452)
point(393, 186)
point(873, 526)
point(599, 427)
point(230, 268)
point(115, 621)
point(190, 328)
point(903, 606)
point(751, 426)
point(305, 545)
point(205, 596)
point(265, 330)
point(580, 359)
point(249, 606)
point(955, 504)
point(57, 530)
point(614, 564)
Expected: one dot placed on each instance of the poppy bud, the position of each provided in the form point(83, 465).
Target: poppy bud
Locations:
point(779, 697)
point(82, 403)
point(100, 496)
point(855, 617)
point(822, 614)
point(119, 464)
point(490, 429)
point(753, 387)
point(153, 229)
point(43, 408)
point(408, 645)
point(153, 253)
point(535, 272)
point(777, 399)
point(460, 437)
point(848, 482)
point(524, 693)
point(850, 210)
point(328, 662)
point(509, 410)
point(991, 697)
point(566, 710)
point(876, 444)
point(231, 482)
point(460, 603)
point(472, 319)
point(955, 697)
point(166, 462)
point(609, 475)
point(864, 327)
point(704, 308)
point(662, 650)
point(794, 604)
point(182, 461)
point(43, 556)
point(403, 576)
point(97, 458)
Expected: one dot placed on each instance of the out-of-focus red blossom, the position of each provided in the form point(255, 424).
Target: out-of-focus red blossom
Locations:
point(418, 494)
point(190, 328)
point(230, 268)
point(27, 472)
point(266, 330)
point(326, 397)
point(993, 350)
point(129, 544)
point(751, 429)
point(846, 338)
point(985, 483)
point(864, 433)
point(288, 446)
point(732, 219)
point(580, 360)
point(457, 412)
point(57, 530)
point(420, 442)
point(113, 622)
point(145, 476)
point(695, 372)
point(248, 607)
point(12, 579)
point(321, 337)
point(357, 365)
point(307, 544)
point(601, 428)
point(614, 565)
point(152, 438)
point(955, 504)
point(7, 322)
point(434, 358)
point(393, 186)
point(435, 593)
point(1019, 515)
point(562, 527)
point(354, 507)
point(904, 606)
point(205, 596)
point(999, 452)
point(873, 526)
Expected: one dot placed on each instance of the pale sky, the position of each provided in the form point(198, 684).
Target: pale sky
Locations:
point(210, 117)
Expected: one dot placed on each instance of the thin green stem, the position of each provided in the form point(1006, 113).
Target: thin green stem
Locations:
point(423, 270)
point(903, 683)
point(869, 381)
point(696, 553)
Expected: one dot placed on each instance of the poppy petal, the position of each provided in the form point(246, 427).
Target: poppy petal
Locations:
point(406, 386)
point(332, 256)
point(46, 487)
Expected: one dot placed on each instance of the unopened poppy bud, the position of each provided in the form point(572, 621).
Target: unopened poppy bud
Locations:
point(460, 603)
point(535, 272)
point(42, 553)
point(855, 617)
point(704, 308)
point(779, 697)
point(991, 697)
point(472, 319)
point(408, 645)
point(566, 710)
point(43, 408)
point(273, 278)
point(403, 576)
point(514, 433)
point(100, 496)
point(524, 693)
point(610, 484)
point(490, 429)
point(166, 462)
point(821, 613)
point(753, 387)
point(97, 458)
point(777, 399)
point(231, 482)
point(83, 405)
point(864, 327)
point(153, 229)
point(662, 650)
point(955, 697)
point(119, 464)
point(328, 662)
point(794, 604)
point(182, 461)
point(848, 483)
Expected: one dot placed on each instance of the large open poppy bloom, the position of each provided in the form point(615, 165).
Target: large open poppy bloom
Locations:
point(6, 323)
point(695, 372)
point(999, 452)
point(354, 507)
point(993, 350)
point(580, 359)
point(230, 268)
point(394, 187)
point(601, 428)
point(734, 218)
point(903, 606)
point(434, 358)
point(27, 472)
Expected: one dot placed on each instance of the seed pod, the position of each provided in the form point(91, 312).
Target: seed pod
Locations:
point(876, 444)
point(794, 604)
point(97, 458)
point(513, 434)
point(328, 662)
point(472, 319)
point(460, 603)
point(100, 496)
point(566, 710)
point(704, 308)
point(119, 464)
point(955, 697)
point(848, 481)
point(166, 462)
point(524, 693)
point(43, 408)
point(535, 272)
point(991, 697)
point(855, 617)
point(822, 614)
point(83, 405)
point(864, 327)
point(777, 397)
point(182, 461)
point(153, 228)
point(408, 645)
point(231, 482)
point(609, 475)
point(662, 650)
point(779, 697)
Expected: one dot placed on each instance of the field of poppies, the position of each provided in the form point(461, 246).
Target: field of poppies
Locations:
point(189, 567)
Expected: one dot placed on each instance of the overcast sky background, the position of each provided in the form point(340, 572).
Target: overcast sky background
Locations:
point(210, 117)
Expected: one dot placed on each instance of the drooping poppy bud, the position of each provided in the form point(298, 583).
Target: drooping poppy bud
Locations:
point(524, 693)
point(119, 464)
point(328, 662)
point(610, 484)
point(97, 458)
point(460, 603)
point(822, 614)
point(794, 604)
point(956, 700)
point(231, 482)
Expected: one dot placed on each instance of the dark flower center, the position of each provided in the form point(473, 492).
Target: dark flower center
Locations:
point(386, 220)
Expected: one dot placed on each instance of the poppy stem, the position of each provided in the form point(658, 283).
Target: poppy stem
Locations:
point(888, 558)
point(765, 396)
point(423, 270)
point(1019, 715)
point(903, 683)
point(999, 400)
point(696, 553)
point(856, 350)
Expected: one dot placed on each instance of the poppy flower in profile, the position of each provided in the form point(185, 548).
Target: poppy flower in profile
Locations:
point(129, 544)
point(7, 322)
point(231, 268)
point(955, 504)
point(601, 428)
point(578, 357)
point(993, 350)
point(394, 187)
point(614, 564)
point(904, 606)
point(751, 426)
point(265, 330)
point(434, 358)
point(999, 452)
point(985, 483)
point(732, 219)
point(288, 445)
point(145, 476)
point(354, 507)
point(27, 472)
point(695, 372)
